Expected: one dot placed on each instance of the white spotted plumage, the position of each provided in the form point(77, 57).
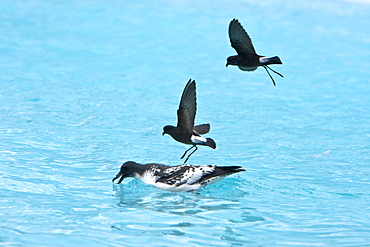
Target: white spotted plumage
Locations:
point(175, 178)
point(188, 180)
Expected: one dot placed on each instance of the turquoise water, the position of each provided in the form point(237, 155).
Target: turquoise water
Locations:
point(88, 85)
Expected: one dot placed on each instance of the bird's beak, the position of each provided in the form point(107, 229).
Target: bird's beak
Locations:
point(227, 64)
point(120, 174)
point(163, 133)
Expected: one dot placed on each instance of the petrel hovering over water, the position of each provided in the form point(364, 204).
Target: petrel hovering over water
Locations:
point(247, 58)
point(175, 178)
point(185, 131)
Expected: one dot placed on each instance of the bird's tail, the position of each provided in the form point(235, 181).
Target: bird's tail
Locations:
point(231, 169)
point(271, 60)
point(226, 170)
point(210, 143)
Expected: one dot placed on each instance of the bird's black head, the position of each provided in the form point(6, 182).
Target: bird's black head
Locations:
point(125, 171)
point(232, 60)
point(168, 129)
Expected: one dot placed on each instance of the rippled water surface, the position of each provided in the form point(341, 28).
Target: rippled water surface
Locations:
point(88, 85)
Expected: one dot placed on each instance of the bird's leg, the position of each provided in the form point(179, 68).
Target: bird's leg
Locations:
point(196, 148)
point(187, 151)
point(274, 71)
point(273, 81)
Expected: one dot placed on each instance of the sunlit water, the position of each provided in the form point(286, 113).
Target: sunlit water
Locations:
point(87, 85)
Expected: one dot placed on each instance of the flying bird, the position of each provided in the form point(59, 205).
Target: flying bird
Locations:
point(175, 178)
point(247, 58)
point(185, 131)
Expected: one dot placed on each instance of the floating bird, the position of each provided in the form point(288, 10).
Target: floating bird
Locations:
point(175, 178)
point(247, 58)
point(185, 131)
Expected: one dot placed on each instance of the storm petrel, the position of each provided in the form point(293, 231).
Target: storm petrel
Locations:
point(175, 178)
point(247, 58)
point(185, 131)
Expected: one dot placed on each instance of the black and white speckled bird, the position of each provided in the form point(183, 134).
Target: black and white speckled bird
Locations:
point(247, 58)
point(175, 178)
point(185, 131)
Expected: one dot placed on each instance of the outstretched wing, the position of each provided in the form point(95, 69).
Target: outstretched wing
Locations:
point(240, 39)
point(187, 108)
point(202, 129)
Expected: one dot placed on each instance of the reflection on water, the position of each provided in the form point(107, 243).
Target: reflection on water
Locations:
point(134, 193)
point(186, 214)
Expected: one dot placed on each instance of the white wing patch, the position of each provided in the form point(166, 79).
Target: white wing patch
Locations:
point(199, 172)
point(190, 179)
